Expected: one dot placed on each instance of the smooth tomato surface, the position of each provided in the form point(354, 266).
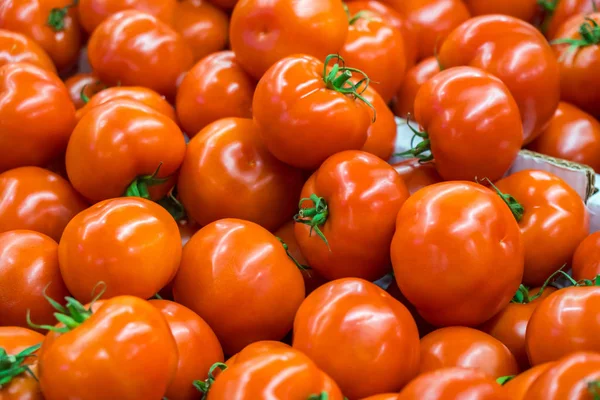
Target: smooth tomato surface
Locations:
point(417, 175)
point(16, 47)
point(586, 260)
point(518, 386)
point(564, 10)
point(86, 83)
point(93, 12)
point(526, 10)
point(416, 76)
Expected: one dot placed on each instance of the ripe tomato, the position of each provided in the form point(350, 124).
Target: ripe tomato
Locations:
point(123, 350)
point(15, 47)
point(36, 116)
point(333, 318)
point(126, 140)
point(453, 383)
point(586, 260)
point(526, 10)
point(247, 269)
point(37, 199)
point(416, 76)
point(116, 56)
point(59, 37)
point(93, 12)
point(204, 27)
point(297, 100)
point(519, 55)
point(346, 220)
point(216, 87)
point(383, 396)
point(563, 323)
point(22, 386)
point(417, 175)
point(197, 346)
point(423, 326)
point(553, 221)
point(573, 135)
point(518, 386)
point(264, 32)
point(83, 85)
point(565, 9)
point(468, 138)
point(459, 233)
point(381, 135)
point(131, 244)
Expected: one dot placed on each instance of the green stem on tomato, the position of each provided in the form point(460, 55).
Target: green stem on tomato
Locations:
point(314, 216)
point(13, 365)
point(56, 17)
point(594, 389)
point(422, 147)
point(515, 207)
point(139, 186)
point(321, 396)
point(504, 379)
point(590, 35)
point(301, 267)
point(204, 386)
point(173, 205)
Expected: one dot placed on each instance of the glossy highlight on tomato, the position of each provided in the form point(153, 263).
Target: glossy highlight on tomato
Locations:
point(16, 47)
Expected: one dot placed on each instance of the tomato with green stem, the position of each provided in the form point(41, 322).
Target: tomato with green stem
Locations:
point(16, 47)
point(82, 87)
point(404, 103)
point(416, 174)
point(559, 11)
point(18, 364)
point(517, 386)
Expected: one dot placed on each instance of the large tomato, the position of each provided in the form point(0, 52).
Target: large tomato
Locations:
point(346, 220)
point(586, 260)
point(416, 175)
point(527, 10)
point(339, 316)
point(19, 374)
point(565, 9)
point(404, 104)
point(463, 235)
point(93, 12)
point(82, 87)
point(518, 386)
point(519, 55)
point(15, 47)
point(36, 116)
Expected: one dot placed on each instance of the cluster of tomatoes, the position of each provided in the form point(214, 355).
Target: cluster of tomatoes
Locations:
point(210, 212)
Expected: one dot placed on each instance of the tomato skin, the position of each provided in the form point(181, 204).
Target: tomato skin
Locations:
point(263, 32)
point(413, 80)
point(293, 107)
point(124, 139)
point(115, 54)
point(102, 243)
point(555, 221)
point(216, 87)
point(518, 386)
point(382, 396)
point(381, 135)
point(423, 326)
point(417, 175)
point(586, 260)
point(331, 319)
point(38, 200)
point(363, 194)
point(125, 331)
point(449, 108)
point(86, 82)
point(526, 10)
point(258, 276)
point(197, 346)
point(36, 116)
point(16, 47)
point(516, 53)
point(469, 247)
point(565, 9)
point(22, 387)
point(224, 4)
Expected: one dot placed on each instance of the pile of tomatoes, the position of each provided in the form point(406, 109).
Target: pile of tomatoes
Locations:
point(210, 212)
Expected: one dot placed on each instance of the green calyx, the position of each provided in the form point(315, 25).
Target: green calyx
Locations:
point(521, 296)
point(301, 267)
point(504, 379)
point(593, 388)
point(56, 17)
point(84, 97)
point(139, 186)
point(422, 151)
point(12, 366)
point(173, 205)
point(358, 16)
point(590, 35)
point(515, 207)
point(314, 216)
point(320, 396)
point(204, 386)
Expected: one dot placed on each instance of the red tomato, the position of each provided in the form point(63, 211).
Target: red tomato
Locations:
point(93, 12)
point(83, 85)
point(339, 315)
point(296, 101)
point(468, 137)
point(15, 47)
point(459, 233)
point(264, 32)
point(565, 322)
point(123, 350)
point(417, 175)
point(526, 10)
point(216, 87)
point(553, 221)
point(36, 116)
point(381, 135)
point(565, 9)
point(247, 269)
point(414, 79)
point(131, 244)
point(517, 54)
point(197, 346)
point(225, 4)
point(586, 260)
point(423, 326)
point(23, 386)
point(116, 55)
point(348, 233)
point(126, 140)
point(518, 386)
point(573, 135)
point(383, 396)
point(37, 199)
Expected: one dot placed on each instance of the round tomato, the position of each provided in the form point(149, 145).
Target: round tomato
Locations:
point(339, 316)
point(264, 32)
point(131, 244)
point(468, 137)
point(518, 386)
point(82, 87)
point(565, 9)
point(19, 375)
point(247, 269)
point(416, 174)
point(197, 346)
point(516, 53)
point(346, 219)
point(15, 47)
point(381, 135)
point(526, 10)
point(93, 12)
point(216, 87)
point(116, 55)
point(404, 105)
point(552, 217)
point(452, 239)
point(132, 145)
point(586, 260)
point(37, 199)
point(36, 116)
point(123, 350)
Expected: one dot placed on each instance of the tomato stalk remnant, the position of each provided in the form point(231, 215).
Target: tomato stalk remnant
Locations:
point(594, 389)
point(418, 150)
point(314, 216)
point(173, 205)
point(12, 365)
point(320, 396)
point(504, 379)
point(301, 267)
point(204, 386)
point(515, 207)
point(590, 35)
point(139, 186)
point(56, 18)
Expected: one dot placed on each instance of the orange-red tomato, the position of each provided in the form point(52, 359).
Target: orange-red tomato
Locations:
point(116, 55)
point(123, 350)
point(359, 195)
point(216, 87)
point(417, 175)
point(423, 326)
point(516, 53)
point(36, 116)
point(264, 32)
point(586, 260)
point(204, 27)
point(382, 396)
point(131, 244)
point(518, 386)
point(127, 141)
point(247, 269)
point(553, 221)
point(23, 386)
point(459, 233)
point(469, 138)
point(415, 77)
point(37, 199)
point(61, 40)
point(197, 346)
point(93, 12)
point(565, 9)
point(381, 135)
point(340, 315)
point(15, 47)
point(526, 10)
point(83, 84)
